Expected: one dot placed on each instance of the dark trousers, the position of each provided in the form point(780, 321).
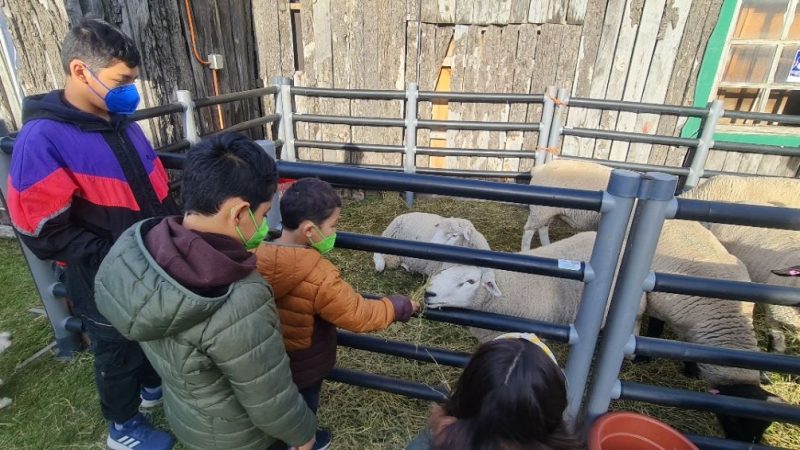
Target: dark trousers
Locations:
point(311, 395)
point(120, 371)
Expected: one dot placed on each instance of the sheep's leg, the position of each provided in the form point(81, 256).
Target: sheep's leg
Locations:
point(527, 240)
point(691, 370)
point(544, 235)
point(380, 262)
point(4, 402)
point(777, 340)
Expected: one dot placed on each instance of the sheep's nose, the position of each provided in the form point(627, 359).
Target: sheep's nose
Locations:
point(429, 294)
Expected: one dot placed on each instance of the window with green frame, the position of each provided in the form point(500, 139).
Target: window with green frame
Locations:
point(752, 63)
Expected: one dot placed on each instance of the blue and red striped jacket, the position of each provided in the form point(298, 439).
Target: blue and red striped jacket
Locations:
point(78, 181)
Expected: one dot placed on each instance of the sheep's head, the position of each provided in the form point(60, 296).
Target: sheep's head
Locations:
point(461, 287)
point(744, 428)
point(453, 231)
point(793, 271)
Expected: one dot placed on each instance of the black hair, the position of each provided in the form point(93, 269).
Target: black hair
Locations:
point(99, 44)
point(225, 166)
point(511, 396)
point(308, 199)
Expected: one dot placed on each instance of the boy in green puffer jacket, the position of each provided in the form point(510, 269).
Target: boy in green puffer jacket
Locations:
point(185, 288)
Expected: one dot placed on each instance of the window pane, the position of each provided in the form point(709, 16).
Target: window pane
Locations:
point(737, 100)
point(786, 73)
point(783, 102)
point(794, 31)
point(749, 63)
point(760, 19)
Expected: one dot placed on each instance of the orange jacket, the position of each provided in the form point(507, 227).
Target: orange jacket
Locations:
point(308, 287)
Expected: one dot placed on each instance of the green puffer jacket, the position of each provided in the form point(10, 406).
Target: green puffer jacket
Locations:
point(225, 372)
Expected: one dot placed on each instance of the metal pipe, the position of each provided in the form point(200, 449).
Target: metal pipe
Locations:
point(252, 123)
point(572, 270)
point(232, 97)
point(548, 108)
point(350, 146)
point(190, 130)
point(685, 351)
point(402, 349)
point(712, 443)
point(727, 289)
point(755, 148)
point(474, 125)
point(523, 177)
point(478, 97)
point(347, 120)
point(700, 156)
point(410, 154)
point(388, 384)
point(629, 137)
point(655, 193)
point(738, 214)
point(618, 204)
point(766, 117)
point(498, 322)
point(438, 151)
point(289, 152)
point(632, 166)
point(637, 107)
point(157, 111)
point(735, 406)
point(174, 147)
point(556, 127)
point(368, 94)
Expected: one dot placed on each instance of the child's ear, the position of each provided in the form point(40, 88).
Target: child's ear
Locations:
point(238, 212)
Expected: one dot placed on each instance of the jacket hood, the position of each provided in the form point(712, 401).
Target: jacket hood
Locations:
point(285, 266)
point(53, 106)
point(152, 304)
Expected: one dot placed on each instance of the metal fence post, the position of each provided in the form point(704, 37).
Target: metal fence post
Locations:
point(715, 111)
point(44, 277)
point(656, 191)
point(544, 129)
point(554, 137)
point(410, 154)
point(616, 211)
point(284, 101)
point(188, 123)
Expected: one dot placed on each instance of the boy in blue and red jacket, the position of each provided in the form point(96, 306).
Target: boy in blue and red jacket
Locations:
point(82, 173)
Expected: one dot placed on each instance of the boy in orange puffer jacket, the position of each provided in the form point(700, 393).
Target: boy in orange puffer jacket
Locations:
point(311, 296)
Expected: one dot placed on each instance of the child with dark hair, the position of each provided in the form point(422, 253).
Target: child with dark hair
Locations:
point(186, 288)
point(81, 173)
point(312, 298)
point(511, 396)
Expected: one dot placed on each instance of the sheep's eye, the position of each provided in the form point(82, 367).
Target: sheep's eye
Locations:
point(471, 281)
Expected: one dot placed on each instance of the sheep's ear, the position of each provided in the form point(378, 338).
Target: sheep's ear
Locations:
point(467, 234)
point(491, 286)
point(793, 271)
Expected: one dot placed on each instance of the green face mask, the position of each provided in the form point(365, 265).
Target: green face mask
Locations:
point(326, 244)
point(258, 237)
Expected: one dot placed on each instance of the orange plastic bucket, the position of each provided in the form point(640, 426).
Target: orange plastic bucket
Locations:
point(630, 431)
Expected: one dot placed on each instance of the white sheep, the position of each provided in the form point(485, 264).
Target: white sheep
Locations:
point(424, 227)
point(762, 251)
point(535, 297)
point(755, 189)
point(687, 248)
point(5, 343)
point(563, 173)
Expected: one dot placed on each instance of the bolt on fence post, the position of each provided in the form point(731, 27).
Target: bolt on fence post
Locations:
point(656, 192)
point(554, 137)
point(544, 125)
point(284, 101)
point(45, 279)
point(616, 212)
point(410, 154)
point(715, 111)
point(188, 123)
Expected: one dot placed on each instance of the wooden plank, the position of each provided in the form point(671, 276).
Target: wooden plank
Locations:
point(459, 78)
point(412, 10)
point(584, 70)
point(268, 41)
point(544, 73)
point(464, 10)
point(430, 11)
point(558, 11)
point(601, 68)
point(308, 105)
point(642, 56)
point(619, 72)
point(539, 11)
point(391, 74)
point(502, 12)
point(286, 39)
point(491, 75)
point(447, 11)
point(576, 12)
point(504, 82)
point(525, 54)
point(341, 71)
point(569, 49)
point(483, 12)
point(519, 11)
point(671, 30)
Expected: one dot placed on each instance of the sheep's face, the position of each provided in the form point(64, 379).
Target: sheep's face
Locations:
point(460, 286)
point(453, 231)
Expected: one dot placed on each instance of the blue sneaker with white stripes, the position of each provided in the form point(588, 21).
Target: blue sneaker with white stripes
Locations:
point(151, 397)
point(138, 434)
